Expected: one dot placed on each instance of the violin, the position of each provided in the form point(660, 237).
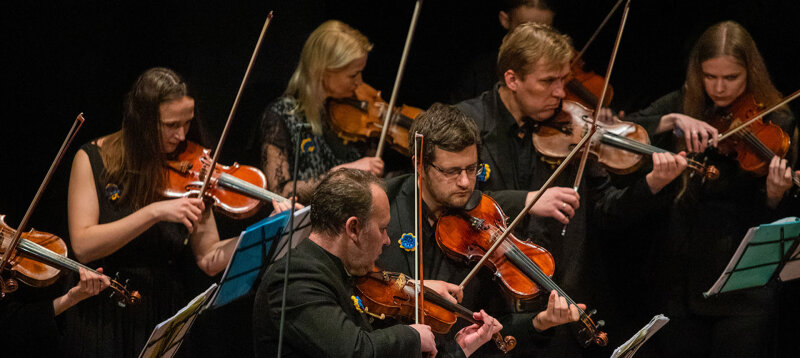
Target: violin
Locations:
point(521, 267)
point(585, 87)
point(361, 118)
point(237, 190)
point(754, 146)
point(392, 294)
point(40, 256)
point(619, 147)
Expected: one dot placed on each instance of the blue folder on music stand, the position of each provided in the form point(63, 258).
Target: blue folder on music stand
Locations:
point(253, 253)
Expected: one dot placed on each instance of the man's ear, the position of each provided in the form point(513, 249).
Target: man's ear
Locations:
point(351, 228)
point(505, 20)
point(511, 80)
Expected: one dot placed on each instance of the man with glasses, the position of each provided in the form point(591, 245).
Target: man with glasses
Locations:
point(448, 169)
point(533, 66)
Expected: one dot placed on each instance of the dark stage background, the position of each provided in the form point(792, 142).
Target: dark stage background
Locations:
point(64, 58)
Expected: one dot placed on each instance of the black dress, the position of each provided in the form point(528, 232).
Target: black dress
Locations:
point(98, 327)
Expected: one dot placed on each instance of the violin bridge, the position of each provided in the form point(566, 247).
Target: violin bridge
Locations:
point(400, 282)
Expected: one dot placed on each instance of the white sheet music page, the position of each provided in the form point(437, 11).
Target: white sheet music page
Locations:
point(627, 349)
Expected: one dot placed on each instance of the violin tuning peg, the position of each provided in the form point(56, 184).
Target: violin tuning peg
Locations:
point(601, 323)
point(592, 312)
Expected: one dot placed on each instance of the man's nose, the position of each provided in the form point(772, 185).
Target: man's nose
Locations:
point(559, 91)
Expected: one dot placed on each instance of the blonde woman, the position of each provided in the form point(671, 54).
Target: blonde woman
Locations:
point(330, 66)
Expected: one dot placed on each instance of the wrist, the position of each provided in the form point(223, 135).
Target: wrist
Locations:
point(152, 212)
point(653, 184)
point(537, 323)
point(666, 123)
point(69, 299)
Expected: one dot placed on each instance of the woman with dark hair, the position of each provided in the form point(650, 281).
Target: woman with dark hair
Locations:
point(330, 66)
point(710, 217)
point(118, 219)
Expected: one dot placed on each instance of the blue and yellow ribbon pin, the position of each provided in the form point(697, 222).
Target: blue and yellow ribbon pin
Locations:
point(112, 192)
point(484, 172)
point(308, 145)
point(408, 242)
point(357, 302)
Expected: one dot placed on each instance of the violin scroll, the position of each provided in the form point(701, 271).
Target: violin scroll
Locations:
point(590, 331)
point(122, 294)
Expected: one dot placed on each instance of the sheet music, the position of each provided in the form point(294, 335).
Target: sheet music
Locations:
point(168, 335)
point(627, 349)
point(302, 228)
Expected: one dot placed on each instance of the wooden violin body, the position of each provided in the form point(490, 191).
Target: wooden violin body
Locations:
point(466, 236)
point(520, 267)
point(361, 118)
point(754, 146)
point(585, 87)
point(388, 294)
point(619, 147)
point(40, 257)
point(557, 138)
point(32, 272)
point(237, 190)
point(392, 295)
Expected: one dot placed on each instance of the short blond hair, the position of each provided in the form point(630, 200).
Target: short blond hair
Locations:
point(332, 46)
point(528, 44)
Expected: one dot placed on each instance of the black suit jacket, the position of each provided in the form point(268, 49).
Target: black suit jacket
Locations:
point(321, 319)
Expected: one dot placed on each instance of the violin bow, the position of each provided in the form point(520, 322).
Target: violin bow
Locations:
point(596, 32)
point(235, 105)
point(10, 285)
point(552, 178)
point(393, 99)
point(585, 154)
point(419, 292)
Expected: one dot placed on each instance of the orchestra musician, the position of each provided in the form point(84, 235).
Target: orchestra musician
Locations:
point(349, 218)
point(710, 218)
point(330, 66)
point(479, 74)
point(533, 66)
point(447, 180)
point(118, 219)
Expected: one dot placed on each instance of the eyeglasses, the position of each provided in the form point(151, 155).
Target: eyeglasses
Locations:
point(452, 173)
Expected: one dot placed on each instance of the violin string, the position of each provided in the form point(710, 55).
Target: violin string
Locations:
point(759, 146)
point(35, 249)
point(530, 268)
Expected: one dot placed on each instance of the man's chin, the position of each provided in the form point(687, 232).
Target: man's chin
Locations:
point(458, 201)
